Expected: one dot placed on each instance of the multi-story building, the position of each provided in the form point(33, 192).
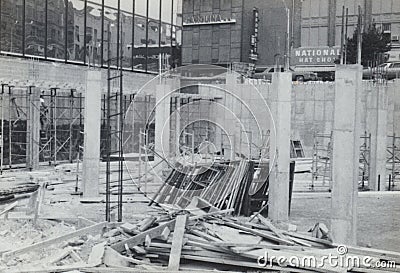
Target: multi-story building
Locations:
point(225, 31)
point(255, 31)
point(82, 31)
point(321, 20)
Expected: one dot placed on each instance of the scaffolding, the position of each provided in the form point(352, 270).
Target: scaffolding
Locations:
point(365, 159)
point(61, 125)
point(321, 161)
point(14, 119)
point(61, 120)
point(191, 123)
point(393, 162)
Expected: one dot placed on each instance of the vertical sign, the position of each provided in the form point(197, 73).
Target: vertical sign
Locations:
point(254, 37)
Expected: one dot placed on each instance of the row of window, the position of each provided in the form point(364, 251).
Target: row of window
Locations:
point(83, 31)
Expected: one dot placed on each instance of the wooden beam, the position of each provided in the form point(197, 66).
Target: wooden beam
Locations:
point(9, 207)
point(113, 259)
point(60, 239)
point(177, 242)
point(239, 263)
point(259, 233)
point(214, 213)
point(140, 238)
point(268, 223)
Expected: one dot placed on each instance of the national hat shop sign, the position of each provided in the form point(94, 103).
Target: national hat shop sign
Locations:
point(315, 55)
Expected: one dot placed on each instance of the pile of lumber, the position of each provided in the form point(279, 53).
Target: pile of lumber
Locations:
point(194, 241)
point(11, 191)
point(216, 242)
point(224, 185)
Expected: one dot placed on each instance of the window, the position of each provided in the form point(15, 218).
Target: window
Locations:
point(77, 33)
point(386, 27)
point(396, 65)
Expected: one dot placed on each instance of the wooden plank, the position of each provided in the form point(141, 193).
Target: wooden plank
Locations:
point(205, 236)
point(261, 245)
point(140, 238)
point(240, 263)
point(85, 222)
point(372, 251)
point(50, 269)
point(113, 259)
point(96, 255)
point(259, 233)
point(309, 238)
point(268, 223)
point(146, 223)
point(94, 228)
point(177, 242)
point(9, 207)
point(214, 213)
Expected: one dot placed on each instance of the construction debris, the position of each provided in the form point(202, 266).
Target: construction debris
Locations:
point(192, 241)
point(223, 185)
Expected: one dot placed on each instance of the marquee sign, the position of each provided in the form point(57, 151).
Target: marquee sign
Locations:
point(213, 19)
point(254, 37)
point(314, 55)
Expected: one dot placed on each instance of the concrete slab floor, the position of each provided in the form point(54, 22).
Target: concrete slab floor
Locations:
point(378, 216)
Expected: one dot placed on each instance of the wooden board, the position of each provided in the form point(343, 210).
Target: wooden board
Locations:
point(140, 238)
point(177, 242)
point(9, 207)
point(94, 228)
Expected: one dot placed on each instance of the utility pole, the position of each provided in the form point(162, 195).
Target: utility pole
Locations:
point(287, 63)
point(345, 35)
point(359, 35)
point(342, 39)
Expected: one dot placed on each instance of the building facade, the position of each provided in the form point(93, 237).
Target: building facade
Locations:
point(82, 31)
point(255, 31)
point(226, 31)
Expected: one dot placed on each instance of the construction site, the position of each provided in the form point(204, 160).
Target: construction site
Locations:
point(115, 157)
point(196, 169)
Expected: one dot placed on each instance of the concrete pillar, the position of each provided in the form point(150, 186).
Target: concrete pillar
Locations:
point(162, 120)
point(91, 152)
point(280, 147)
point(33, 128)
point(346, 152)
point(377, 126)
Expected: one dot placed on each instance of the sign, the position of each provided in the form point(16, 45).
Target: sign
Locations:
point(315, 55)
point(198, 20)
point(254, 37)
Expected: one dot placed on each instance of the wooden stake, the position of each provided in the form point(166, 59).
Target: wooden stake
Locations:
point(177, 242)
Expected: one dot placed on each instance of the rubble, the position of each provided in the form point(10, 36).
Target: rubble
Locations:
point(183, 240)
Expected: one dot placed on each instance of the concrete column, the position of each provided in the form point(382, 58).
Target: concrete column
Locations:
point(377, 126)
point(346, 152)
point(91, 152)
point(280, 147)
point(162, 120)
point(33, 126)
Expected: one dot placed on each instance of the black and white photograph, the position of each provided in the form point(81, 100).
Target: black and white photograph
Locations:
point(199, 136)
